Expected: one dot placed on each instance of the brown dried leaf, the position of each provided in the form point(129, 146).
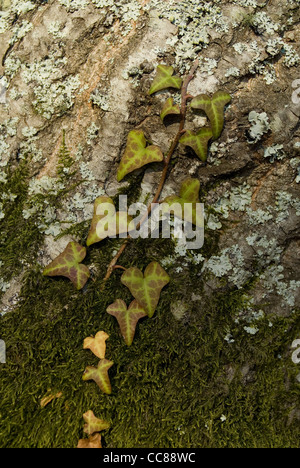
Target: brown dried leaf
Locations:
point(97, 345)
point(94, 441)
point(48, 398)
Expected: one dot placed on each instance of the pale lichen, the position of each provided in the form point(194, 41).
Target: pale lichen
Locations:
point(54, 92)
point(259, 126)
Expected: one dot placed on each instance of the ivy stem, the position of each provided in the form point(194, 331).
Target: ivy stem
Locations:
point(184, 98)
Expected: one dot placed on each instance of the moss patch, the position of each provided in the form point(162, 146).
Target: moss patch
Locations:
point(19, 237)
point(172, 388)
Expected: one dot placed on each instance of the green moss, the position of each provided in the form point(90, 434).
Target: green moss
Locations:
point(248, 20)
point(65, 161)
point(19, 237)
point(132, 190)
point(169, 389)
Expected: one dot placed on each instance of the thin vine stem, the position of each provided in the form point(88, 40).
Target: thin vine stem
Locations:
point(184, 98)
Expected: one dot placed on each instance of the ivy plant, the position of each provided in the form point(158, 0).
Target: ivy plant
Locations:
point(127, 317)
point(214, 109)
point(164, 79)
point(106, 221)
point(100, 375)
point(184, 204)
point(169, 108)
point(68, 264)
point(145, 287)
point(93, 424)
point(138, 154)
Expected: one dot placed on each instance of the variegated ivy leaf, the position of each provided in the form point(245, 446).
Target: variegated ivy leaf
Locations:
point(184, 205)
point(214, 109)
point(169, 108)
point(97, 345)
point(93, 424)
point(164, 79)
point(198, 141)
point(146, 288)
point(99, 375)
point(137, 154)
point(68, 264)
point(127, 318)
point(106, 222)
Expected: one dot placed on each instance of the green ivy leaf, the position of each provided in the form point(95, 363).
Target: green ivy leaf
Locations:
point(164, 79)
point(189, 190)
point(127, 318)
point(99, 375)
point(214, 109)
point(187, 200)
point(169, 108)
point(68, 264)
point(106, 222)
point(136, 154)
point(146, 288)
point(198, 141)
point(93, 424)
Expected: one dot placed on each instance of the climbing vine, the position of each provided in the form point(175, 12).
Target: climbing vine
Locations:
point(145, 286)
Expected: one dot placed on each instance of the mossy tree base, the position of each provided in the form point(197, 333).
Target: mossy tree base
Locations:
point(171, 388)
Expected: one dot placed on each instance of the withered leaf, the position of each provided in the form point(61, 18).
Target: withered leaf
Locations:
point(48, 398)
point(97, 345)
point(94, 441)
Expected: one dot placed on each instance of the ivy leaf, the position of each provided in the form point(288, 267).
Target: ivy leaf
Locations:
point(94, 424)
point(189, 190)
point(164, 79)
point(68, 264)
point(97, 345)
point(136, 154)
point(93, 441)
point(127, 318)
point(187, 200)
point(106, 222)
point(198, 141)
point(146, 288)
point(169, 108)
point(99, 375)
point(214, 109)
